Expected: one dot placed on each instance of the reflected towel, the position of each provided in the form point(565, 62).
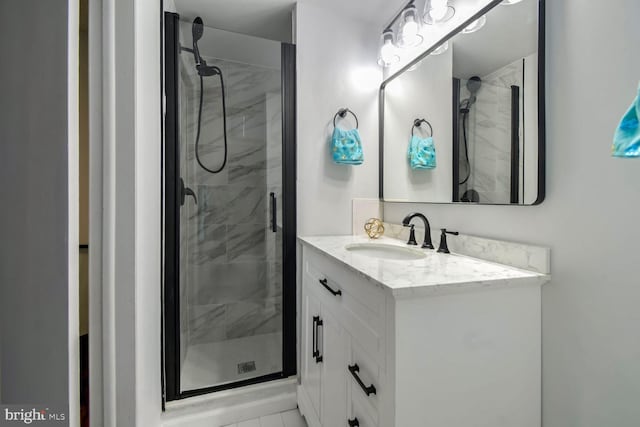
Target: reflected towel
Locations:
point(626, 142)
point(346, 147)
point(422, 153)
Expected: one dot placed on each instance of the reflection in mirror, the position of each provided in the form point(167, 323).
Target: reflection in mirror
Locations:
point(479, 92)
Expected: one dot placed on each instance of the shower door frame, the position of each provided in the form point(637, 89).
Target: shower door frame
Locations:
point(171, 221)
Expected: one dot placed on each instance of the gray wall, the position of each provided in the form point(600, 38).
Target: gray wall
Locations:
point(591, 310)
point(33, 217)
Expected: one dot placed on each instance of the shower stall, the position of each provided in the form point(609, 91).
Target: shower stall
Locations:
point(229, 209)
point(489, 119)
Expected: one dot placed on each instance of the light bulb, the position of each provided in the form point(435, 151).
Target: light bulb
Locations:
point(410, 29)
point(438, 10)
point(388, 51)
point(475, 25)
point(410, 33)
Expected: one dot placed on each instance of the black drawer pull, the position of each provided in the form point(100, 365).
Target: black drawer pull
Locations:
point(314, 342)
point(323, 282)
point(353, 423)
point(317, 322)
point(367, 389)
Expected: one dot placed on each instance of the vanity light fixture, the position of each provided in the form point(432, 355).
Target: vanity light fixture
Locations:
point(510, 2)
point(441, 49)
point(409, 35)
point(475, 25)
point(388, 51)
point(438, 12)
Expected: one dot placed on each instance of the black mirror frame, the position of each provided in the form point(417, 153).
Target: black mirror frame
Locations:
point(541, 105)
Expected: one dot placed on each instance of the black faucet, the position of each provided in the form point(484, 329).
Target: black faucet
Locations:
point(444, 248)
point(412, 235)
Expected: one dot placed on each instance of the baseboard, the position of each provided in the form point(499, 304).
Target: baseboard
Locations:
point(232, 406)
point(306, 408)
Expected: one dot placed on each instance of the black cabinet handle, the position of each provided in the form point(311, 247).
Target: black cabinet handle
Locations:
point(353, 423)
point(314, 342)
point(274, 212)
point(324, 282)
point(354, 369)
point(317, 322)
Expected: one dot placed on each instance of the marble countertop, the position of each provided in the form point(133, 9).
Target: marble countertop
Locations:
point(435, 274)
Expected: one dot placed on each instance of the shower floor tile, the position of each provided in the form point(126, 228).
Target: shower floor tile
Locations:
point(211, 364)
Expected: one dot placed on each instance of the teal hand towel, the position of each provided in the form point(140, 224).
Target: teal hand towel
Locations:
point(422, 153)
point(346, 147)
point(626, 142)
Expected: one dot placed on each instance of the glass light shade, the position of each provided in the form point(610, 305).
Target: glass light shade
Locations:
point(441, 49)
point(388, 51)
point(438, 11)
point(475, 25)
point(409, 29)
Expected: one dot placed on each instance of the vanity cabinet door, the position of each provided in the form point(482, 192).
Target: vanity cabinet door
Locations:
point(311, 340)
point(335, 346)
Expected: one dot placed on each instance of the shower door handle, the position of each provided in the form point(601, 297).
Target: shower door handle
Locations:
point(186, 191)
point(274, 213)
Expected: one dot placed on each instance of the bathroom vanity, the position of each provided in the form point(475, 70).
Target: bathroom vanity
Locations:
point(394, 336)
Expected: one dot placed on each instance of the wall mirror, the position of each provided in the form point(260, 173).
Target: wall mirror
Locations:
point(464, 122)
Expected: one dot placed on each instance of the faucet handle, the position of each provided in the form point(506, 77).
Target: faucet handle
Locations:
point(412, 235)
point(444, 249)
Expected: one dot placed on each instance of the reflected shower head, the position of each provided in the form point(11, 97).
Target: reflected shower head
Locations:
point(473, 86)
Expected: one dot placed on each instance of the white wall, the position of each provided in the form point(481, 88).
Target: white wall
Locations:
point(39, 217)
point(336, 68)
point(423, 93)
point(125, 224)
point(591, 344)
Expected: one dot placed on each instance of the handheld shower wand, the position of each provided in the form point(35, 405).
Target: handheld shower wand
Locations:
point(473, 86)
point(204, 70)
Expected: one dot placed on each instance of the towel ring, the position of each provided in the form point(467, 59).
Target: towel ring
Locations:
point(418, 122)
point(343, 113)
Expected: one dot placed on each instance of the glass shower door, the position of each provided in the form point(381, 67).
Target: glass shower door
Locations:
point(229, 254)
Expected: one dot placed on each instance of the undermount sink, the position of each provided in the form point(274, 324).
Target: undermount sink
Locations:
point(385, 251)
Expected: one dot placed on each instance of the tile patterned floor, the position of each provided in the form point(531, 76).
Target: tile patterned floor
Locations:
point(284, 419)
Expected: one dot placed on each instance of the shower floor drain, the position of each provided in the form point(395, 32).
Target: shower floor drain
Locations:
point(246, 367)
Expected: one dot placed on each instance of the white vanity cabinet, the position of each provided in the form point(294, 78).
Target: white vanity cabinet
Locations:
point(372, 357)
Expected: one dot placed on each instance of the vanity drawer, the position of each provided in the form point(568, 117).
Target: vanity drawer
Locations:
point(360, 413)
point(359, 307)
point(365, 382)
point(368, 294)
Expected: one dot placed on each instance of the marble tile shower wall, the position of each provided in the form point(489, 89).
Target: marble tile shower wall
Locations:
point(234, 277)
point(490, 136)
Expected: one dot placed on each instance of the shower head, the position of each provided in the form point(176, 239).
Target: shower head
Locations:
point(204, 70)
point(197, 30)
point(473, 85)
